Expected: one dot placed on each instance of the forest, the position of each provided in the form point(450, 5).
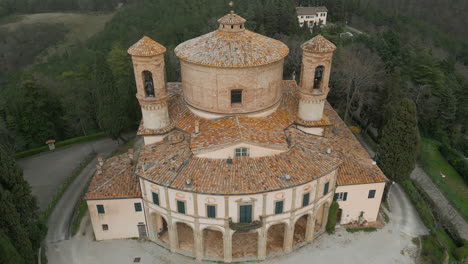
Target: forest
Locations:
point(90, 88)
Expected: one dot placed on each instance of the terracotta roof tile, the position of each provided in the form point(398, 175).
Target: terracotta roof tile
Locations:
point(318, 44)
point(146, 47)
point(116, 180)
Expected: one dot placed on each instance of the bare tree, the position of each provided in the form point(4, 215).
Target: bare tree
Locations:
point(357, 75)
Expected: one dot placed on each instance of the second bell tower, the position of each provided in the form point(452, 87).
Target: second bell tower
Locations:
point(150, 77)
point(317, 56)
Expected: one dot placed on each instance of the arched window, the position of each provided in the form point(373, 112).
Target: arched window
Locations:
point(318, 77)
point(148, 82)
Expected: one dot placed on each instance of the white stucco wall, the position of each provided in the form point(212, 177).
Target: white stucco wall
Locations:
point(254, 151)
point(119, 215)
point(303, 19)
point(153, 139)
point(358, 202)
point(318, 131)
point(311, 111)
point(156, 118)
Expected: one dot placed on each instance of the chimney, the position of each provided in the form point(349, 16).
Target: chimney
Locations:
point(329, 151)
point(100, 160)
point(99, 169)
point(188, 182)
point(287, 177)
point(197, 127)
point(374, 162)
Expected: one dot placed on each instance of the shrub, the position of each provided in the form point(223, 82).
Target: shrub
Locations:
point(332, 217)
point(364, 229)
point(461, 253)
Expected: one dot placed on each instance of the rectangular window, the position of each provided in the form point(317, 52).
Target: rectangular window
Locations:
point(325, 188)
point(211, 211)
point(137, 207)
point(279, 207)
point(371, 194)
point(100, 209)
point(245, 214)
point(181, 207)
point(105, 227)
point(241, 152)
point(305, 199)
point(236, 96)
point(155, 198)
point(342, 196)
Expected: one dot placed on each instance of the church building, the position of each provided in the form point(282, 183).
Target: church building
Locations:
point(237, 163)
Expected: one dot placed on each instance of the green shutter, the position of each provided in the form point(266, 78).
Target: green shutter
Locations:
point(305, 199)
point(211, 211)
point(137, 207)
point(181, 207)
point(156, 198)
point(345, 196)
point(100, 209)
point(245, 213)
point(371, 194)
point(325, 188)
point(279, 207)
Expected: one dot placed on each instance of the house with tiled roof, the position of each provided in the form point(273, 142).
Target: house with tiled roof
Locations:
point(237, 163)
point(312, 15)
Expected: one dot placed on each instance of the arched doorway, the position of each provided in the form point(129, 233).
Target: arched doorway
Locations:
point(244, 244)
point(275, 238)
point(213, 243)
point(185, 237)
point(161, 228)
point(300, 228)
point(320, 220)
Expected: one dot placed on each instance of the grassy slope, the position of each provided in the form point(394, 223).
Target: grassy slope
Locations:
point(452, 185)
point(81, 26)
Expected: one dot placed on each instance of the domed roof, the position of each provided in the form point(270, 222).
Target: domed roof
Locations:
point(318, 44)
point(232, 48)
point(146, 47)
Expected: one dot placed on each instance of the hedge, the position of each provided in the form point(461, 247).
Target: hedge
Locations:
point(332, 217)
point(60, 144)
point(455, 159)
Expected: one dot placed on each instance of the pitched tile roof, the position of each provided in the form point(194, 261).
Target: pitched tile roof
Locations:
point(310, 10)
point(171, 162)
point(117, 180)
point(146, 47)
point(318, 44)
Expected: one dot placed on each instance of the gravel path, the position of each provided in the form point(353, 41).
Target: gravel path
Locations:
point(443, 205)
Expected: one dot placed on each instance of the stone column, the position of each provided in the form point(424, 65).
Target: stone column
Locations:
point(227, 242)
point(289, 237)
point(198, 240)
point(262, 235)
point(310, 229)
point(173, 239)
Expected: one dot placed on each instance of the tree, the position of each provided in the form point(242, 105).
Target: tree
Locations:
point(111, 115)
point(399, 144)
point(37, 117)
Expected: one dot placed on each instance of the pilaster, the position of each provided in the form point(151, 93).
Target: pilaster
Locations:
point(227, 242)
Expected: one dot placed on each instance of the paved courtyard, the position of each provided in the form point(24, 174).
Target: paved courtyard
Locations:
point(390, 245)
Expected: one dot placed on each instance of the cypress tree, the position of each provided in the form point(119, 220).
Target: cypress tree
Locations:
point(400, 141)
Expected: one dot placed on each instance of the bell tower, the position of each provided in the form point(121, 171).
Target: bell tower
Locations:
point(317, 56)
point(150, 77)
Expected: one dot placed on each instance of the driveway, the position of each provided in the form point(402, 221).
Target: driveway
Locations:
point(389, 245)
point(46, 172)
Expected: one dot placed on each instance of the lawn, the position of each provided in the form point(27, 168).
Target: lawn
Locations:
point(453, 186)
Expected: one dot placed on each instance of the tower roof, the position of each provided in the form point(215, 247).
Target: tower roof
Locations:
point(232, 46)
point(146, 47)
point(318, 44)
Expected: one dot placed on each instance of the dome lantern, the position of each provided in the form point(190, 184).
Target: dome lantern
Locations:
point(231, 23)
